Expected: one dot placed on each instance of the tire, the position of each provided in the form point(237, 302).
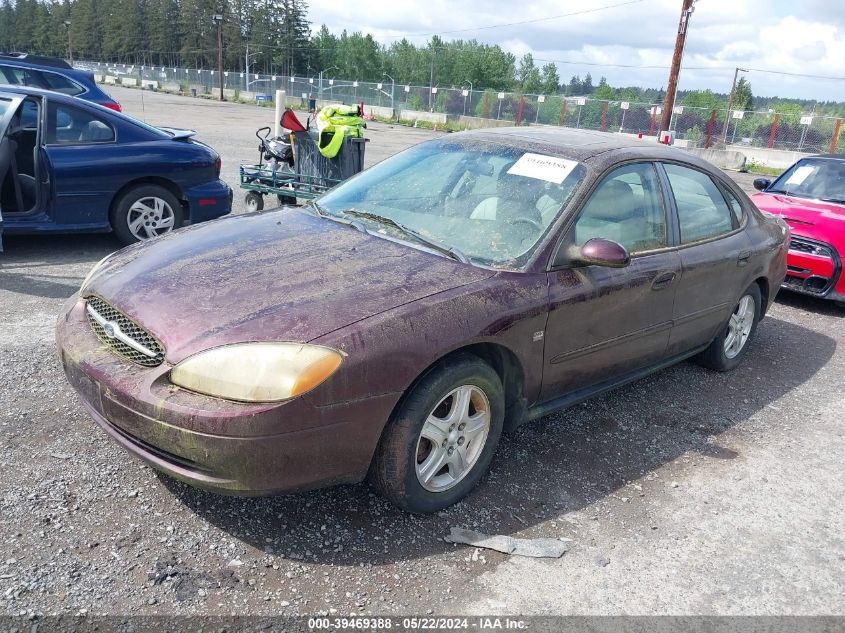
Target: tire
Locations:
point(722, 355)
point(144, 212)
point(406, 470)
point(254, 202)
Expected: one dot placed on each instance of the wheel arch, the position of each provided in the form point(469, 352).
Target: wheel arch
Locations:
point(765, 293)
point(503, 361)
point(171, 186)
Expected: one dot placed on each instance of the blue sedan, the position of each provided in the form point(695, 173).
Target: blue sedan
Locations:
point(73, 166)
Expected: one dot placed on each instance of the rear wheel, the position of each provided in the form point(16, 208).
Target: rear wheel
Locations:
point(145, 212)
point(442, 438)
point(730, 345)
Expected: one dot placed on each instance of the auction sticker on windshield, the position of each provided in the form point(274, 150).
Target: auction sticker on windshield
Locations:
point(548, 168)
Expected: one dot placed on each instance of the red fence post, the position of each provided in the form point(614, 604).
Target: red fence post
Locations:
point(711, 125)
point(563, 112)
point(486, 105)
point(651, 127)
point(835, 138)
point(519, 110)
point(774, 131)
point(604, 116)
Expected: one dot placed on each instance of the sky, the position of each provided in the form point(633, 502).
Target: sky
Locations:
point(631, 44)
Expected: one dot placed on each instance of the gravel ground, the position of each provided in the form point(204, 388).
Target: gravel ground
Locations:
point(688, 492)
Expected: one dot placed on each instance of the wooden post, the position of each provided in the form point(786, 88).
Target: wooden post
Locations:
point(519, 110)
point(563, 112)
point(774, 131)
point(604, 116)
point(835, 138)
point(711, 126)
point(651, 127)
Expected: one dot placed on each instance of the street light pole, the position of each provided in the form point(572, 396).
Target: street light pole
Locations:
point(217, 18)
point(392, 86)
point(671, 88)
point(465, 99)
point(730, 103)
point(431, 79)
point(69, 43)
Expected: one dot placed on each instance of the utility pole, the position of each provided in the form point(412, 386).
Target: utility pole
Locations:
point(431, 79)
point(218, 19)
point(69, 43)
point(730, 103)
point(671, 88)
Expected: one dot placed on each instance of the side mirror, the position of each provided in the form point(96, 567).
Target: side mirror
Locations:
point(761, 184)
point(601, 252)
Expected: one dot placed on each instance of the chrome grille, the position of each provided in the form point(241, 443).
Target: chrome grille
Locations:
point(123, 335)
point(803, 245)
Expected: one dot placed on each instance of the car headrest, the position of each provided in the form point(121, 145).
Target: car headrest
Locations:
point(96, 131)
point(614, 201)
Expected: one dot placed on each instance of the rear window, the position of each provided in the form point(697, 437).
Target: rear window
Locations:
point(58, 83)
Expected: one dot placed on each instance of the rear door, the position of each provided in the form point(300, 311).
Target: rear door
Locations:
point(714, 251)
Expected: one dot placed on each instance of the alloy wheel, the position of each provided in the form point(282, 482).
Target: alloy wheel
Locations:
point(739, 326)
point(150, 217)
point(452, 438)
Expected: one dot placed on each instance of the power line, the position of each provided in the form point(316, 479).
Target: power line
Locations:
point(504, 24)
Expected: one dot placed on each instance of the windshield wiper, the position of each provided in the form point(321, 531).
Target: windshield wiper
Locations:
point(451, 251)
point(833, 200)
point(335, 218)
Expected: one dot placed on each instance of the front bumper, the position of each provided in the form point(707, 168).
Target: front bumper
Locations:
point(223, 446)
point(814, 268)
point(209, 201)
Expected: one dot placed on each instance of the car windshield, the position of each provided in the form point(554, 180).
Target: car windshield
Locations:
point(485, 202)
point(818, 178)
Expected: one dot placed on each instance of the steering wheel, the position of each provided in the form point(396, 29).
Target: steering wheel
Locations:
point(523, 220)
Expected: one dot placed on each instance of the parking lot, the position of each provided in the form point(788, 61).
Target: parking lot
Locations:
point(688, 492)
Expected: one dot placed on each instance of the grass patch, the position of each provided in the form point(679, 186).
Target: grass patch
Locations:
point(757, 168)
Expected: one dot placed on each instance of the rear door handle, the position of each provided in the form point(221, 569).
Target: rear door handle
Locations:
point(663, 281)
point(743, 258)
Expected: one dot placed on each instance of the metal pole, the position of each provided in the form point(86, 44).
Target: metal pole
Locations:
point(69, 43)
point(431, 80)
point(672, 86)
point(219, 19)
point(730, 103)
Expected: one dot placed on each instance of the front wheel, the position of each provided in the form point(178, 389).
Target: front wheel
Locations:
point(730, 345)
point(145, 212)
point(442, 438)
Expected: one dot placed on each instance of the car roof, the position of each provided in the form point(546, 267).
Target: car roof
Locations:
point(35, 60)
point(581, 145)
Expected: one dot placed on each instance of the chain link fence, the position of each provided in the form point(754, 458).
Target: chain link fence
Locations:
point(465, 107)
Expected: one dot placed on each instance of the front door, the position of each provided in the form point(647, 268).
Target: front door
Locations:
point(604, 322)
point(8, 106)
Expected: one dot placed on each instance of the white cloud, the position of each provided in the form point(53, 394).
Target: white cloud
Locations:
point(759, 34)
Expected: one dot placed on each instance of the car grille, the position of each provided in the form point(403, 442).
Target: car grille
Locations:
point(123, 335)
point(811, 247)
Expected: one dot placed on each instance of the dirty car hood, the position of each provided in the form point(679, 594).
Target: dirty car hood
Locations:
point(277, 276)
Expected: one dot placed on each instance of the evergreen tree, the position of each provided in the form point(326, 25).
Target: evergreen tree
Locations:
point(550, 79)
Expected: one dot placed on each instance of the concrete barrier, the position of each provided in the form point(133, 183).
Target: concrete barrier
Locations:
point(128, 81)
point(431, 117)
point(149, 84)
point(475, 122)
point(722, 158)
point(98, 79)
point(170, 86)
point(110, 79)
point(777, 158)
point(379, 111)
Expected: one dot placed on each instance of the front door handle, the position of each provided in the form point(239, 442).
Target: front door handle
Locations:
point(743, 258)
point(663, 281)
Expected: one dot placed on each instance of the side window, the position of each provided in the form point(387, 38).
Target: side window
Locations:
point(58, 83)
point(21, 77)
point(69, 125)
point(702, 210)
point(736, 208)
point(627, 208)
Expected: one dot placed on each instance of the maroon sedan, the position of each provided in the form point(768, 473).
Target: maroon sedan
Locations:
point(396, 327)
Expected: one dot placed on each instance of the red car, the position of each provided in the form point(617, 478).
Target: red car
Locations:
point(810, 196)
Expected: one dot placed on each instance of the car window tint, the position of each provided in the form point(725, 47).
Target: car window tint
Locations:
point(627, 208)
point(61, 84)
point(702, 210)
point(21, 77)
point(69, 125)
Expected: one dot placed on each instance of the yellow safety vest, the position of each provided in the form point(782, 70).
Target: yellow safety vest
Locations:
point(334, 123)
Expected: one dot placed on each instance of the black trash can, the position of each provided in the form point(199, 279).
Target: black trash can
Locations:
point(308, 161)
point(312, 105)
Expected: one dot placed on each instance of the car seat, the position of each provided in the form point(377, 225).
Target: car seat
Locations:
point(96, 131)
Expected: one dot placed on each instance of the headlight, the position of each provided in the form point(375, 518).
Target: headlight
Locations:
point(257, 372)
point(94, 271)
